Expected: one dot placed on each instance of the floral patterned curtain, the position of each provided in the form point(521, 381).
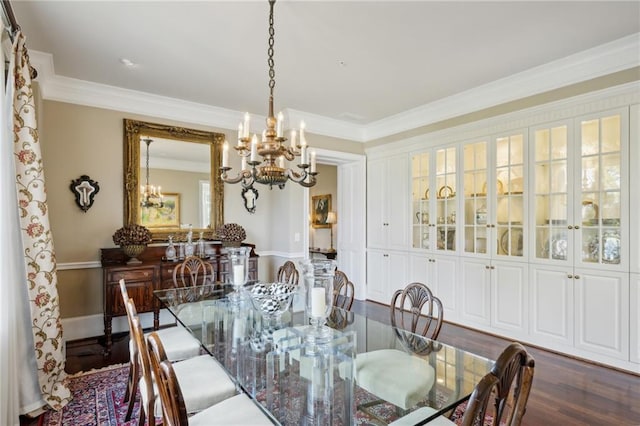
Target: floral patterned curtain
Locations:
point(39, 255)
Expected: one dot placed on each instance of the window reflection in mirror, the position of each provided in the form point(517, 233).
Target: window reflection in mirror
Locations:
point(185, 164)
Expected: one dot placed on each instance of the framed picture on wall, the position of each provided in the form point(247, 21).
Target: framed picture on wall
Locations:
point(320, 208)
point(167, 216)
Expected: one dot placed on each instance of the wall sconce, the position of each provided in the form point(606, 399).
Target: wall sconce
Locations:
point(85, 189)
point(332, 219)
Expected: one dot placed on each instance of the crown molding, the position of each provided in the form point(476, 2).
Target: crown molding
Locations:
point(605, 59)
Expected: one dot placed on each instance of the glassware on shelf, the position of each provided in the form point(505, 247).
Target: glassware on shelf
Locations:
point(170, 252)
point(189, 248)
point(238, 270)
point(318, 280)
point(200, 245)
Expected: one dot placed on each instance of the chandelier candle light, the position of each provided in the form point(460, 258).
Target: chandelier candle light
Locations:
point(151, 195)
point(271, 169)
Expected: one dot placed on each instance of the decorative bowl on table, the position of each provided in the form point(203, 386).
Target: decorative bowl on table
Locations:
point(272, 299)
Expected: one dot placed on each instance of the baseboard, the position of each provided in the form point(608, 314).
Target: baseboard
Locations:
point(77, 328)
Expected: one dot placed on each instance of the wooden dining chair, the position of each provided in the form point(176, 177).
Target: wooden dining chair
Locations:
point(343, 291)
point(287, 273)
point(499, 398)
point(191, 272)
point(416, 309)
point(205, 381)
point(237, 410)
point(179, 343)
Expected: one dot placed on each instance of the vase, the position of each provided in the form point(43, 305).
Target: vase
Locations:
point(318, 280)
point(133, 251)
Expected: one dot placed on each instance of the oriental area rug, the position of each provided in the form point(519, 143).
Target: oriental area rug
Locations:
point(97, 401)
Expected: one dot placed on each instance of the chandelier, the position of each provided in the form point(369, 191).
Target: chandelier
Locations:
point(271, 168)
point(150, 195)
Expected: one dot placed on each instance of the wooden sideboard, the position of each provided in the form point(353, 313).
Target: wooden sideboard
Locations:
point(153, 273)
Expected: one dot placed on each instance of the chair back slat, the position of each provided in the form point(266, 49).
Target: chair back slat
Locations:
point(193, 271)
point(288, 273)
point(343, 291)
point(503, 393)
point(416, 309)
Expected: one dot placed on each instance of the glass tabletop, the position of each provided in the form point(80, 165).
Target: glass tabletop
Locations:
point(373, 372)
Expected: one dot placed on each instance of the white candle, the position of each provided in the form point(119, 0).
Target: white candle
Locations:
point(240, 134)
point(244, 163)
point(313, 161)
point(238, 275)
point(303, 155)
point(303, 140)
point(318, 304)
point(279, 125)
point(246, 124)
point(254, 148)
point(293, 139)
point(225, 154)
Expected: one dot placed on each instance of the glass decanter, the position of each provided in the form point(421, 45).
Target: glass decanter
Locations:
point(170, 252)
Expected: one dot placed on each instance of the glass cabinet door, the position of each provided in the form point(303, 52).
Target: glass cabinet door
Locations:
point(420, 167)
point(599, 210)
point(446, 209)
point(510, 195)
point(551, 199)
point(475, 224)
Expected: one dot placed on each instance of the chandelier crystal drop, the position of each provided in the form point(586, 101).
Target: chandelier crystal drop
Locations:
point(271, 168)
point(150, 195)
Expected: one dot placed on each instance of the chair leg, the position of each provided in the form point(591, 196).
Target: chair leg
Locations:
point(127, 394)
point(134, 391)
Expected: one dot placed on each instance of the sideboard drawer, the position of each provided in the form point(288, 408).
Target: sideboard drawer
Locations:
point(131, 275)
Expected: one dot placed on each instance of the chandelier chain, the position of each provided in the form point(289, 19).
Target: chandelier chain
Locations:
point(272, 73)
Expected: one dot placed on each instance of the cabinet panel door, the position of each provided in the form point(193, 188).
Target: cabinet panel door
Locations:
point(376, 203)
point(419, 269)
point(396, 274)
point(634, 309)
point(551, 304)
point(634, 171)
point(397, 193)
point(509, 296)
point(475, 290)
point(602, 313)
point(443, 280)
point(377, 265)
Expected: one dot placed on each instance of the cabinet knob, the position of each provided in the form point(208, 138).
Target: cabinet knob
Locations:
point(488, 226)
point(569, 227)
point(493, 225)
point(569, 276)
point(576, 227)
point(577, 277)
point(493, 267)
point(486, 266)
point(146, 274)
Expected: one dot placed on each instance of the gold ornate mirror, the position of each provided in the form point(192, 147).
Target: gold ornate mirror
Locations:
point(192, 191)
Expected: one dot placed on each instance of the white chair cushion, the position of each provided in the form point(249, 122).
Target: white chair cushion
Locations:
point(420, 414)
point(203, 383)
point(178, 343)
point(239, 410)
point(395, 376)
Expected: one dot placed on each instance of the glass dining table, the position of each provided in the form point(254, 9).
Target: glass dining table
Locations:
point(361, 372)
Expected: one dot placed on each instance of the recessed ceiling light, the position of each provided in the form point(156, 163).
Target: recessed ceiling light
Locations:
point(127, 63)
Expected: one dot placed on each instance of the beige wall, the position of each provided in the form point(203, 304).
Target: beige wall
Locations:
point(79, 140)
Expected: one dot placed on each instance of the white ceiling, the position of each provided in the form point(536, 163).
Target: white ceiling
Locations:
point(357, 62)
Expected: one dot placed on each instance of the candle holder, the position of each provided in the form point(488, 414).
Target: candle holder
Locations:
point(318, 281)
point(238, 271)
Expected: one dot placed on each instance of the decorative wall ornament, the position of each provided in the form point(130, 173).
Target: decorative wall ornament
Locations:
point(85, 190)
point(250, 195)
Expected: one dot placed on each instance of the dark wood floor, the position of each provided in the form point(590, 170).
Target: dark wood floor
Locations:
point(565, 391)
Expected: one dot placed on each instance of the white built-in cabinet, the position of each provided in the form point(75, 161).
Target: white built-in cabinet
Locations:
point(527, 229)
point(440, 274)
point(386, 272)
point(387, 188)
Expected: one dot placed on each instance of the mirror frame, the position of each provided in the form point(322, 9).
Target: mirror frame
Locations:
point(133, 130)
